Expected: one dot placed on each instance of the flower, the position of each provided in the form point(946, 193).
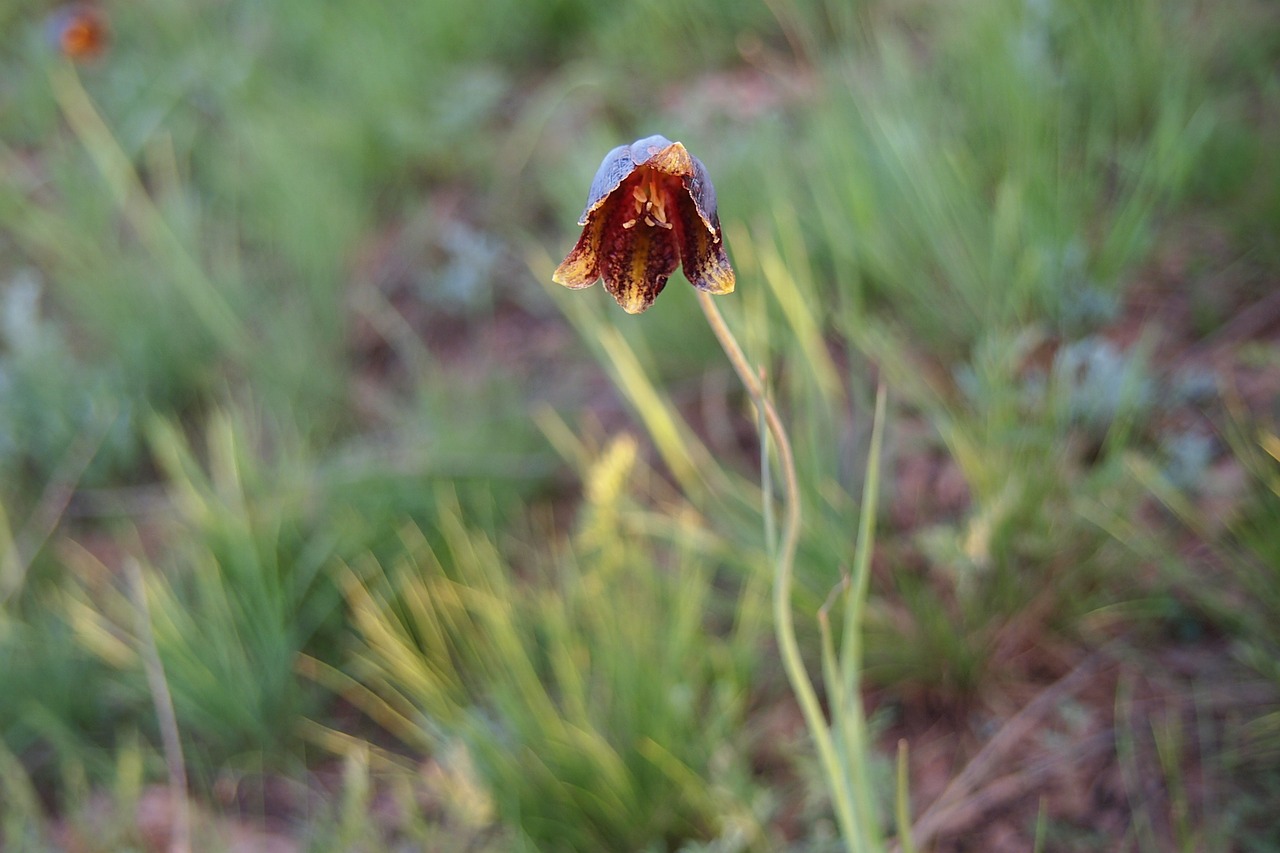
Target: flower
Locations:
point(651, 208)
point(78, 31)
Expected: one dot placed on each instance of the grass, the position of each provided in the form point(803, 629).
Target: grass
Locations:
point(438, 555)
point(595, 697)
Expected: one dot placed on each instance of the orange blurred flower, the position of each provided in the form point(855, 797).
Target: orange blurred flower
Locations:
point(79, 31)
point(651, 208)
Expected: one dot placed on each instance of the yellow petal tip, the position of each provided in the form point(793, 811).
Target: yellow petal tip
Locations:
point(634, 306)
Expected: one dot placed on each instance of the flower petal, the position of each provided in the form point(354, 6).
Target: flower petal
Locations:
point(702, 254)
point(662, 154)
point(582, 267)
point(698, 185)
point(636, 263)
point(614, 169)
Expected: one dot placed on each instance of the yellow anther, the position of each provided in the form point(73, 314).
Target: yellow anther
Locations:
point(649, 206)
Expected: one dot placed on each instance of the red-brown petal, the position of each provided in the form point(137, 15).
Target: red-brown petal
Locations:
point(636, 263)
point(702, 253)
point(582, 267)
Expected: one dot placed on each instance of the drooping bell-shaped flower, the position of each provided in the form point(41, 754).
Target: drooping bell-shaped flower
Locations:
point(651, 208)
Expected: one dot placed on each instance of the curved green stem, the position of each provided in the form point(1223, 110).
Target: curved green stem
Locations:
point(784, 626)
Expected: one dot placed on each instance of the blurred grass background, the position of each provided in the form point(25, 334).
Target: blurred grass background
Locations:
point(439, 557)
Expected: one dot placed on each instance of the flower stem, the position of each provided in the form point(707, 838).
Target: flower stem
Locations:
point(784, 627)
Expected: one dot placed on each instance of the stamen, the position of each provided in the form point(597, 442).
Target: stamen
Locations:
point(651, 206)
